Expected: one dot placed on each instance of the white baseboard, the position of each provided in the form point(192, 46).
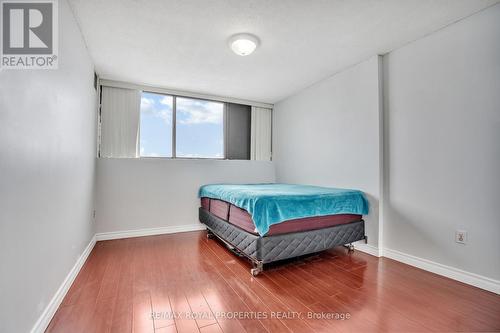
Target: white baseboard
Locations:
point(447, 271)
point(440, 269)
point(44, 320)
point(148, 232)
point(453, 273)
point(367, 248)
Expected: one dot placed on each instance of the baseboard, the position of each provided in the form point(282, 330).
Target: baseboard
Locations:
point(44, 320)
point(148, 232)
point(367, 248)
point(427, 265)
point(447, 271)
point(453, 273)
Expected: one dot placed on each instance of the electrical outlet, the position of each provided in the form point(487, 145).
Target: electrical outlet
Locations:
point(461, 236)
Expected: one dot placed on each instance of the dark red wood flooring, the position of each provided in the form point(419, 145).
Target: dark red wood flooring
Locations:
point(188, 283)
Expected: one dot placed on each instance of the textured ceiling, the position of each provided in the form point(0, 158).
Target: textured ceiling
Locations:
point(182, 44)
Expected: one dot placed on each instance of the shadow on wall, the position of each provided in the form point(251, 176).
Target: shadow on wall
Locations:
point(403, 228)
point(372, 220)
point(409, 234)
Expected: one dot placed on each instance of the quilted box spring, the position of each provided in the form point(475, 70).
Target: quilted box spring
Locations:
point(283, 246)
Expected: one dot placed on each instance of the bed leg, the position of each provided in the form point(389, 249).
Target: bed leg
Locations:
point(258, 267)
point(349, 247)
point(210, 234)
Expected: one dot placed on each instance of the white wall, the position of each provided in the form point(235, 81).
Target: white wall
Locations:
point(328, 135)
point(443, 145)
point(47, 168)
point(146, 193)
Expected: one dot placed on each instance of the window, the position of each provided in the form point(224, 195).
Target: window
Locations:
point(156, 125)
point(198, 127)
point(135, 123)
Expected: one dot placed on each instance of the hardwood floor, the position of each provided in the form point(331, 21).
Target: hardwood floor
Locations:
point(135, 284)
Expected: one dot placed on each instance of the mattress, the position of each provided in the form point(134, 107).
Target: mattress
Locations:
point(275, 203)
point(242, 219)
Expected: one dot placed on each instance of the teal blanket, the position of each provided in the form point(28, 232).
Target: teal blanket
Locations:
point(270, 204)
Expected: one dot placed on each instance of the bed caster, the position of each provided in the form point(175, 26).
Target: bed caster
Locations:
point(210, 234)
point(257, 269)
point(350, 248)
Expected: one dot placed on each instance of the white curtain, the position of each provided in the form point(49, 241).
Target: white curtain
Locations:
point(260, 140)
point(120, 112)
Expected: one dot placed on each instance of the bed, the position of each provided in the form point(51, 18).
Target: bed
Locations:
point(273, 222)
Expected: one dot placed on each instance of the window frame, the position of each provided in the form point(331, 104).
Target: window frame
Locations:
point(174, 127)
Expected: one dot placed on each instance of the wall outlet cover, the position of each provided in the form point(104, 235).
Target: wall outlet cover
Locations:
point(461, 236)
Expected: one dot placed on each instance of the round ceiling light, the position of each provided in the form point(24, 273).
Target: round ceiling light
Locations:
point(243, 44)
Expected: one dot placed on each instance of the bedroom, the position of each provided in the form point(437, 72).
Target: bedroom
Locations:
point(230, 166)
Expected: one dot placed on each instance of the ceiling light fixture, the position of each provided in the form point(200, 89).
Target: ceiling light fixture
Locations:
point(243, 44)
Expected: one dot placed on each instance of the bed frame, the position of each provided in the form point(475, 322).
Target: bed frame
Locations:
point(267, 249)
